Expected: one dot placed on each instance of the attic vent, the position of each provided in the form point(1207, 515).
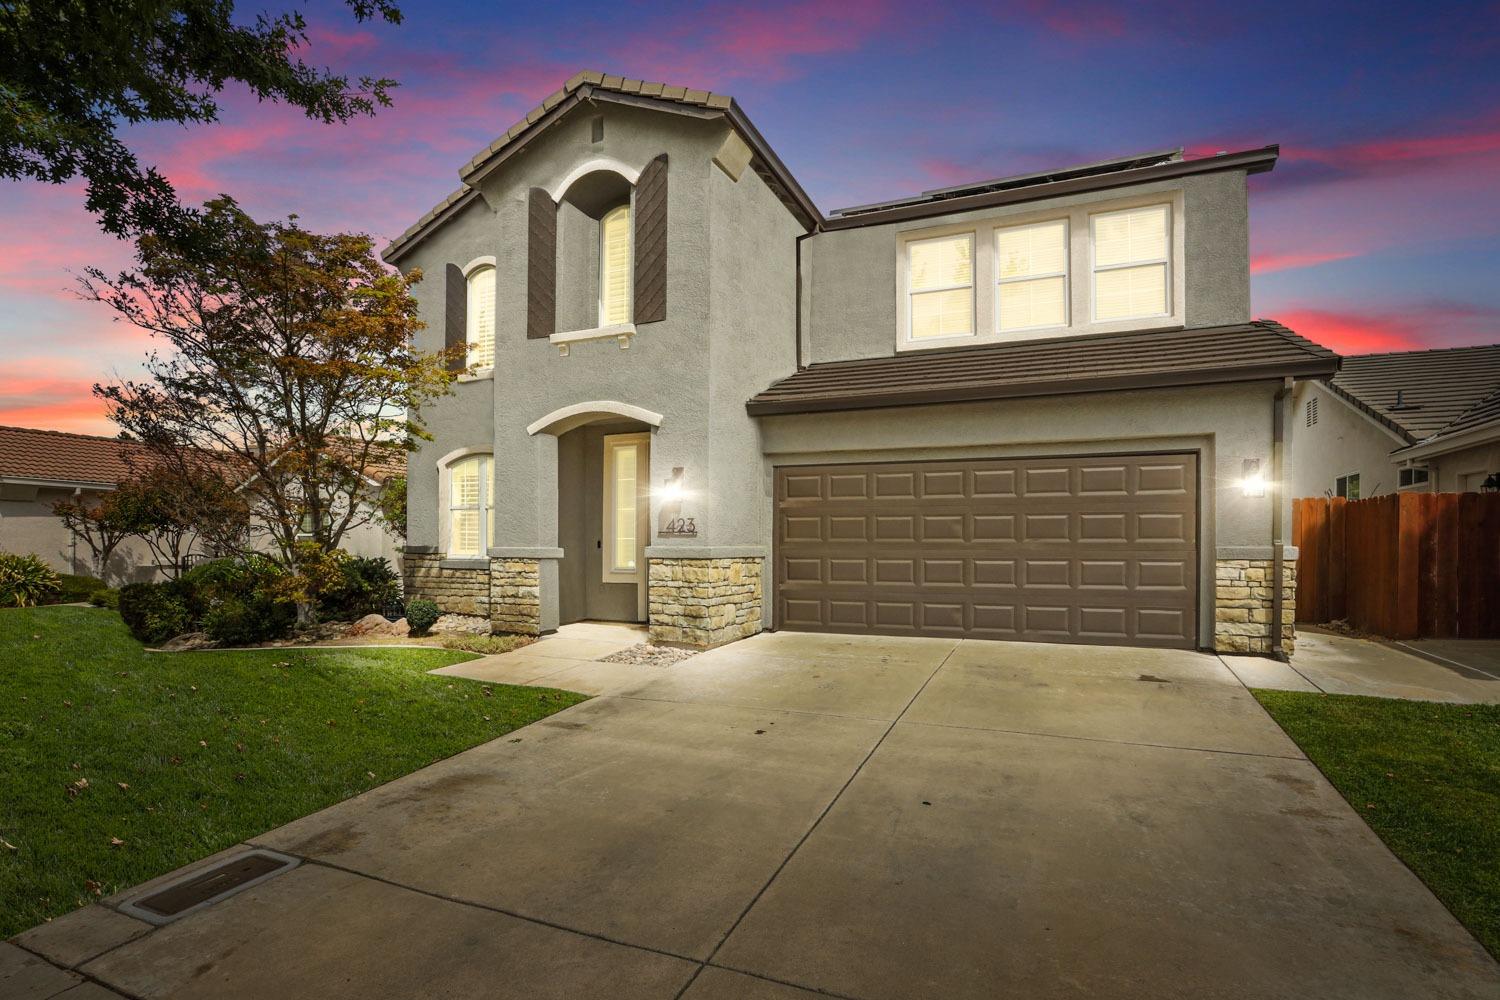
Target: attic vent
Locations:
point(596, 129)
point(1312, 411)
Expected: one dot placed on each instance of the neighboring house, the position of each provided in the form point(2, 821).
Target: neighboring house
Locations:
point(1413, 420)
point(38, 468)
point(1033, 408)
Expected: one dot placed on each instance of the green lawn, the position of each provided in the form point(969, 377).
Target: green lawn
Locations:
point(1426, 777)
point(178, 755)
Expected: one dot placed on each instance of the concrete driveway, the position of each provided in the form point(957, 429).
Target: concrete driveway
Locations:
point(803, 815)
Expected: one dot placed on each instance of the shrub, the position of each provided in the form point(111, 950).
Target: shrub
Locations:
point(26, 580)
point(154, 612)
point(421, 615)
point(487, 644)
point(104, 597)
point(361, 586)
point(73, 589)
point(236, 622)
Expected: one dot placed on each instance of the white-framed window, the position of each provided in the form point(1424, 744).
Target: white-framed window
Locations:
point(1132, 263)
point(940, 287)
point(626, 476)
point(1347, 486)
point(1031, 280)
point(1413, 475)
point(471, 510)
point(480, 324)
point(615, 266)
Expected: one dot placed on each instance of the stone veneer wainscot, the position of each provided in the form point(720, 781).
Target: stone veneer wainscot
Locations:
point(1242, 605)
point(457, 591)
point(516, 596)
point(704, 602)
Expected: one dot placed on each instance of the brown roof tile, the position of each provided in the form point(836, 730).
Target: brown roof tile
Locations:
point(1437, 387)
point(1140, 359)
point(57, 456)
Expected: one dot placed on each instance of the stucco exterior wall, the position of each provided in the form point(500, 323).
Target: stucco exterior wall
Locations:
point(1343, 441)
point(850, 281)
point(1463, 471)
point(1224, 424)
point(29, 526)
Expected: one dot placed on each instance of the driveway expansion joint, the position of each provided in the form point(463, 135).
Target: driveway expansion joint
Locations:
point(1302, 758)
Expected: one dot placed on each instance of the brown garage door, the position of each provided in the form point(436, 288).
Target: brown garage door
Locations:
point(1100, 549)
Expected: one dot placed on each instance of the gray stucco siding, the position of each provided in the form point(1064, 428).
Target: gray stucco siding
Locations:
point(850, 275)
point(1224, 424)
point(1343, 441)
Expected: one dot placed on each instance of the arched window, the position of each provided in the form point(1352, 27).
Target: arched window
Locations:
point(614, 266)
point(481, 319)
point(470, 506)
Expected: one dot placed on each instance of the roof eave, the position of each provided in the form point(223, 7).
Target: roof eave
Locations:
point(1442, 444)
point(1252, 161)
point(1365, 408)
point(1319, 368)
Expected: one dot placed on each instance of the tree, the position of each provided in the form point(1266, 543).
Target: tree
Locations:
point(74, 72)
point(390, 505)
point(173, 507)
point(99, 521)
point(289, 358)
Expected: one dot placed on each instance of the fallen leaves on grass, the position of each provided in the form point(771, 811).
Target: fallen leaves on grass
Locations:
point(116, 842)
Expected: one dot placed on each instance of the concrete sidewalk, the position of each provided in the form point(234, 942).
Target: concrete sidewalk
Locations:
point(795, 816)
point(1420, 670)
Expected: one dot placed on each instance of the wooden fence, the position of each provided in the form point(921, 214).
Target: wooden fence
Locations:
point(1404, 565)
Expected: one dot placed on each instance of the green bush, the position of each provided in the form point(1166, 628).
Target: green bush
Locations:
point(421, 615)
point(154, 612)
point(361, 586)
point(104, 597)
point(25, 580)
point(73, 589)
point(236, 622)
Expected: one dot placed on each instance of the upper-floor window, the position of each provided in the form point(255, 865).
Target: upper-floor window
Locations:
point(480, 327)
point(1132, 263)
point(940, 287)
point(614, 266)
point(470, 508)
point(1032, 281)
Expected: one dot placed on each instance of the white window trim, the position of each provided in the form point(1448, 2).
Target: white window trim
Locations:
point(641, 440)
point(1169, 298)
point(629, 207)
point(445, 467)
point(1080, 258)
point(906, 341)
point(1065, 274)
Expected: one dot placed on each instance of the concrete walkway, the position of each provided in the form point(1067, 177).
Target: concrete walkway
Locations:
point(1420, 670)
point(796, 816)
point(567, 659)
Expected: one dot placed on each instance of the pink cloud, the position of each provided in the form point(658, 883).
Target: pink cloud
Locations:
point(1440, 324)
point(1265, 263)
point(55, 403)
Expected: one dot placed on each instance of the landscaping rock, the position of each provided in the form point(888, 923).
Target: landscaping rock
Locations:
point(649, 655)
point(189, 640)
point(461, 625)
point(378, 625)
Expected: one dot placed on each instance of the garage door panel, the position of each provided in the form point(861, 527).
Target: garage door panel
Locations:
point(1069, 550)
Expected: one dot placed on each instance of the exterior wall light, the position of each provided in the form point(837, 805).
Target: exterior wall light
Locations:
point(671, 491)
point(1252, 482)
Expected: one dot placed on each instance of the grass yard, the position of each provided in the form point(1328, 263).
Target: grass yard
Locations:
point(117, 765)
point(1425, 776)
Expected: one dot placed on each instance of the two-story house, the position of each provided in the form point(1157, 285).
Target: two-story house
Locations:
point(1033, 408)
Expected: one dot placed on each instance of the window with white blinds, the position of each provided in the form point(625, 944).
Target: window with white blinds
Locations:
point(940, 286)
point(1032, 276)
point(481, 320)
point(1131, 261)
point(614, 267)
point(470, 509)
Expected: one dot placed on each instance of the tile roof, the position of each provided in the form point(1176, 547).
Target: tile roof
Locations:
point(1436, 387)
point(1261, 349)
point(603, 85)
point(57, 456)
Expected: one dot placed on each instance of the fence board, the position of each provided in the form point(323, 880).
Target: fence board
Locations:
point(1401, 565)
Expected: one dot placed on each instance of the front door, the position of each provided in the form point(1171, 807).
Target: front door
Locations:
point(627, 505)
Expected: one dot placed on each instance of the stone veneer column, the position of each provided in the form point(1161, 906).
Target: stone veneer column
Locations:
point(516, 595)
point(704, 602)
point(461, 587)
point(1242, 605)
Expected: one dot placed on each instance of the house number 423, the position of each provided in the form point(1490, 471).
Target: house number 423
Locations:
point(681, 526)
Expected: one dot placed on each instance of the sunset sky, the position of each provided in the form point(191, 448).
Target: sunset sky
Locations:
point(1378, 230)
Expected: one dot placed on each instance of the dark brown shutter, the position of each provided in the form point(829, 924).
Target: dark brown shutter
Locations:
point(456, 318)
point(651, 242)
point(541, 265)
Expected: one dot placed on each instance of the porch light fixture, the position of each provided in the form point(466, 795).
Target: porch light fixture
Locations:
point(1252, 482)
point(672, 491)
